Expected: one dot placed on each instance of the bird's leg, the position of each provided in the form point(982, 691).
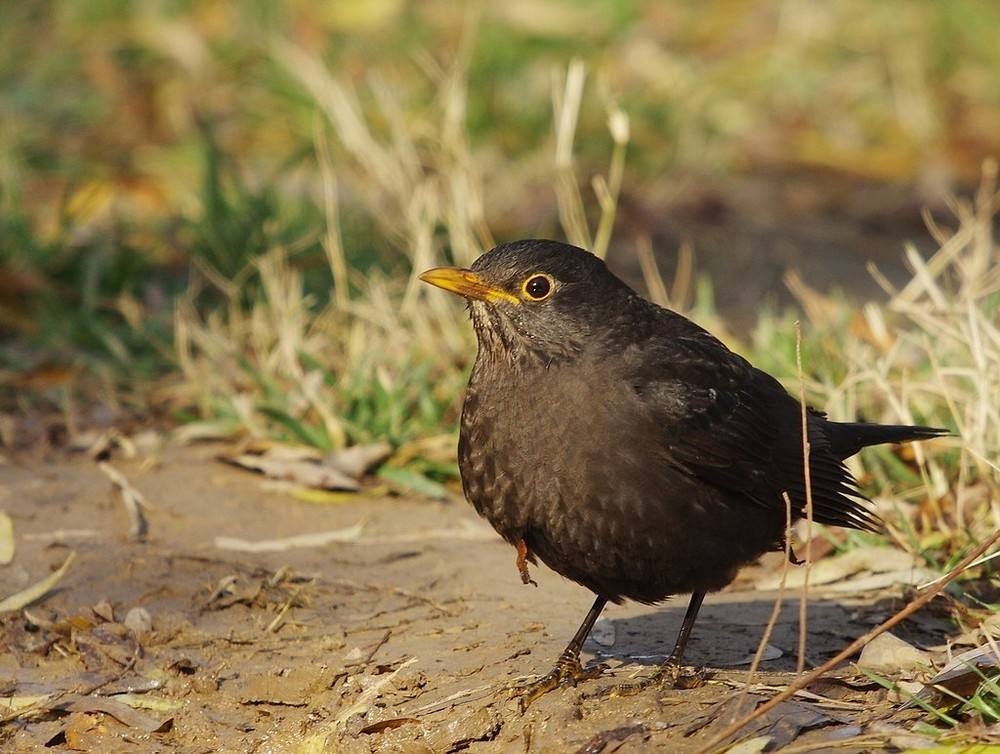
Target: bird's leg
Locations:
point(522, 562)
point(670, 674)
point(567, 671)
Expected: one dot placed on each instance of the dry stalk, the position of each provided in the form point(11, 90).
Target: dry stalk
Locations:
point(800, 662)
point(776, 608)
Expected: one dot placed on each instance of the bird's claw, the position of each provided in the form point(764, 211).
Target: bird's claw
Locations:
point(686, 678)
point(568, 672)
point(667, 676)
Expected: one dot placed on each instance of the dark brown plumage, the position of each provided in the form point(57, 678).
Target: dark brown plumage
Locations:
point(626, 447)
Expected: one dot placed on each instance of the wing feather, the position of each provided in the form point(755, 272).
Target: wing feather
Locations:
point(736, 428)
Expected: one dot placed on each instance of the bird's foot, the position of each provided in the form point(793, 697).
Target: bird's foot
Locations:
point(681, 677)
point(523, 556)
point(567, 672)
point(670, 675)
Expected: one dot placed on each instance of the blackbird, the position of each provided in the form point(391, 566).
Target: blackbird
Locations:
point(626, 447)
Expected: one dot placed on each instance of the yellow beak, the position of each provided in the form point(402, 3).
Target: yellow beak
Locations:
point(468, 284)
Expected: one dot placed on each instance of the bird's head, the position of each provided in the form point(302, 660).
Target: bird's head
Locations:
point(540, 298)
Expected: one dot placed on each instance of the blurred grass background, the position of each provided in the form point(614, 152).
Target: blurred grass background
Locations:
point(211, 211)
point(141, 138)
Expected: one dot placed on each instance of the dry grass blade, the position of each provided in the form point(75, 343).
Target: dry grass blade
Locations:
point(802, 681)
point(608, 190)
point(333, 244)
point(682, 289)
point(316, 539)
point(133, 500)
point(651, 273)
point(7, 545)
point(37, 590)
point(61, 536)
point(279, 619)
point(341, 106)
point(470, 533)
point(567, 98)
point(464, 696)
point(566, 102)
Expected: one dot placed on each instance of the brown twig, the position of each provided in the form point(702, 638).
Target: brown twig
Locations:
point(800, 662)
point(776, 609)
point(378, 645)
point(811, 676)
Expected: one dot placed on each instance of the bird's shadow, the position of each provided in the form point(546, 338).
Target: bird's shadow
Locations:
point(728, 633)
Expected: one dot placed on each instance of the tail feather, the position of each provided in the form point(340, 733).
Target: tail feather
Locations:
point(847, 438)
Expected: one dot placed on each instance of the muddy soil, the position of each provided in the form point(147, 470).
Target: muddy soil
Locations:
point(405, 639)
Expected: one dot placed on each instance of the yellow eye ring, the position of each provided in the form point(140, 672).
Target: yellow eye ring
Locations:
point(538, 287)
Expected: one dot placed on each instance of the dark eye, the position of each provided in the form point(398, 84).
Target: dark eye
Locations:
point(537, 287)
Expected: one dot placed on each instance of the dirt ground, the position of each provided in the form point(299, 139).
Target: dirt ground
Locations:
point(405, 638)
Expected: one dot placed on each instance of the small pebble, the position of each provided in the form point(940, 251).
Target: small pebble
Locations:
point(138, 621)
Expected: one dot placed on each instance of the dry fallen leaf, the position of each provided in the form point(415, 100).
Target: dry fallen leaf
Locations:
point(280, 451)
point(890, 654)
point(357, 459)
point(750, 746)
point(148, 702)
point(301, 472)
point(24, 706)
point(860, 569)
point(123, 713)
point(105, 611)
